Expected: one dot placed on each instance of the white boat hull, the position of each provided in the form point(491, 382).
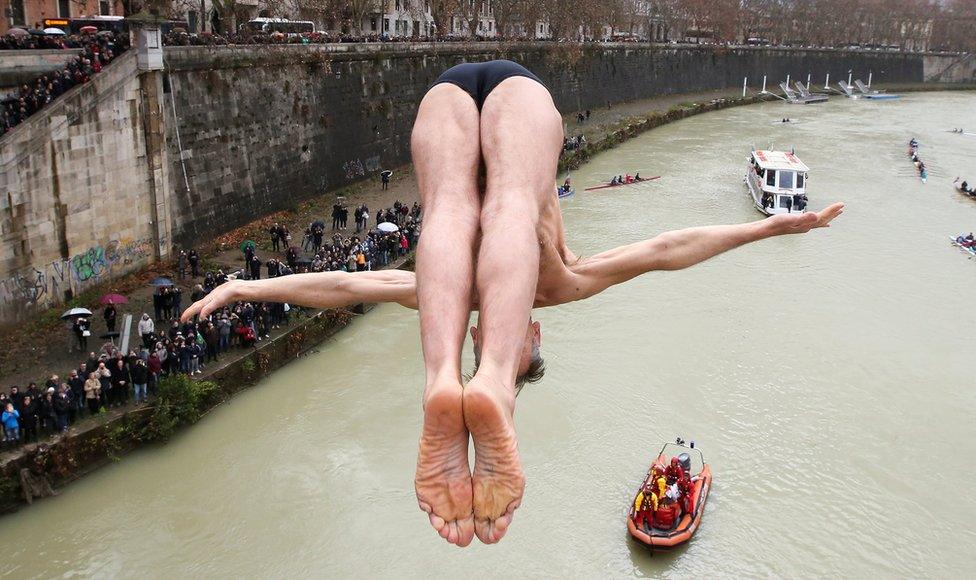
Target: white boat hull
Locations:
point(756, 193)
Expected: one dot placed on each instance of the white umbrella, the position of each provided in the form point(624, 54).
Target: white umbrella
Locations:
point(387, 227)
point(54, 31)
point(77, 312)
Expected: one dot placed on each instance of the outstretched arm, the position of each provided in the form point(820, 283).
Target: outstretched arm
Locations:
point(683, 248)
point(316, 290)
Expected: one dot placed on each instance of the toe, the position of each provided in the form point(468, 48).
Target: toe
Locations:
point(465, 531)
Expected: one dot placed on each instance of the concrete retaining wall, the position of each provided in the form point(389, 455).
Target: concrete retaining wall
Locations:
point(74, 204)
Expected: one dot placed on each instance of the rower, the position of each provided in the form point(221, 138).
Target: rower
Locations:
point(613, 181)
point(637, 177)
point(629, 179)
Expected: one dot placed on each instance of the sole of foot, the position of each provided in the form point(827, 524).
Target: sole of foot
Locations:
point(443, 478)
point(498, 481)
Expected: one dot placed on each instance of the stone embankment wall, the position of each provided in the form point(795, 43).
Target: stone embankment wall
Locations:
point(264, 127)
point(74, 208)
point(85, 196)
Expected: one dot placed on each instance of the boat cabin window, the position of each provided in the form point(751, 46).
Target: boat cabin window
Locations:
point(786, 179)
point(786, 201)
point(800, 179)
point(771, 178)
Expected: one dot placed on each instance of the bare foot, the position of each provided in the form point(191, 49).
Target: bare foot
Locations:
point(443, 479)
point(498, 480)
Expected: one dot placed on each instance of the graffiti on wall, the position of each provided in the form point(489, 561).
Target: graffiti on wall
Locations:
point(357, 168)
point(44, 286)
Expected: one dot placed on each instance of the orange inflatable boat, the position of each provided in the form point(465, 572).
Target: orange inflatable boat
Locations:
point(672, 523)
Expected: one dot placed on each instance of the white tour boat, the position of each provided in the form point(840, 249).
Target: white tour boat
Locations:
point(777, 181)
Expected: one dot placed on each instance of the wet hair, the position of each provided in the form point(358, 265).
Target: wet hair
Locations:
point(535, 373)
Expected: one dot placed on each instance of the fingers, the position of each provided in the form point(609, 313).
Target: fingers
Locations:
point(191, 311)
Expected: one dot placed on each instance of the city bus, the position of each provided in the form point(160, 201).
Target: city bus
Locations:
point(114, 24)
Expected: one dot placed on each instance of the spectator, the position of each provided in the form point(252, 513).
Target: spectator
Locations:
point(146, 330)
point(140, 378)
point(110, 314)
point(93, 392)
point(11, 424)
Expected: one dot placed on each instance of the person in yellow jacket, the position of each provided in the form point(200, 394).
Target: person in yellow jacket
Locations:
point(645, 504)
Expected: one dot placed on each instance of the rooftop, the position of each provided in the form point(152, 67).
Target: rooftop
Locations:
point(777, 160)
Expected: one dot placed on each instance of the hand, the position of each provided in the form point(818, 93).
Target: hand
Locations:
point(801, 223)
point(227, 293)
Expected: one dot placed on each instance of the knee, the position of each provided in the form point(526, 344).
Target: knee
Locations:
point(509, 211)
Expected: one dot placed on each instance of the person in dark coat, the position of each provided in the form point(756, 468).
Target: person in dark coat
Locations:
point(61, 405)
point(194, 259)
point(139, 373)
point(45, 412)
point(255, 268)
point(110, 315)
point(120, 382)
point(28, 419)
point(77, 385)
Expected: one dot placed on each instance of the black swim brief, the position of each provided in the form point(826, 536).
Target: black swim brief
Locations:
point(479, 79)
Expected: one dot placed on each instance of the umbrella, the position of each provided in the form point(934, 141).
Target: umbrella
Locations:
point(386, 173)
point(105, 33)
point(161, 282)
point(76, 312)
point(113, 299)
point(88, 30)
point(387, 227)
point(35, 32)
point(248, 243)
point(319, 223)
point(17, 32)
point(54, 31)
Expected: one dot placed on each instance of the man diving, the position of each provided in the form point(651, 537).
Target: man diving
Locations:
point(498, 248)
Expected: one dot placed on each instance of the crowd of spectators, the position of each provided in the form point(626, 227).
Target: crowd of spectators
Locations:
point(111, 378)
point(366, 249)
point(97, 52)
point(182, 38)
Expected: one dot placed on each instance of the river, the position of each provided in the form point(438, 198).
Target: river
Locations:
point(827, 379)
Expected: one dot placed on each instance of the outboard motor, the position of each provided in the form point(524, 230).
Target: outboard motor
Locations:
point(685, 460)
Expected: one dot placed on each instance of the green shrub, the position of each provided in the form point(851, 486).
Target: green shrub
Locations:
point(180, 401)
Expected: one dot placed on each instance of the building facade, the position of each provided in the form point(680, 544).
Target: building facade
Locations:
point(32, 13)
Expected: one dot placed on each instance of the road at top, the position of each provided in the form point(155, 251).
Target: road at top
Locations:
point(827, 378)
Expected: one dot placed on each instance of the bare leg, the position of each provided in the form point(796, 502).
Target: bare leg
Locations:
point(446, 154)
point(521, 136)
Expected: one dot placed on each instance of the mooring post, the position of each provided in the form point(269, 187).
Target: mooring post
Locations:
point(764, 84)
point(827, 82)
point(849, 76)
point(745, 81)
point(870, 76)
point(787, 80)
point(808, 81)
